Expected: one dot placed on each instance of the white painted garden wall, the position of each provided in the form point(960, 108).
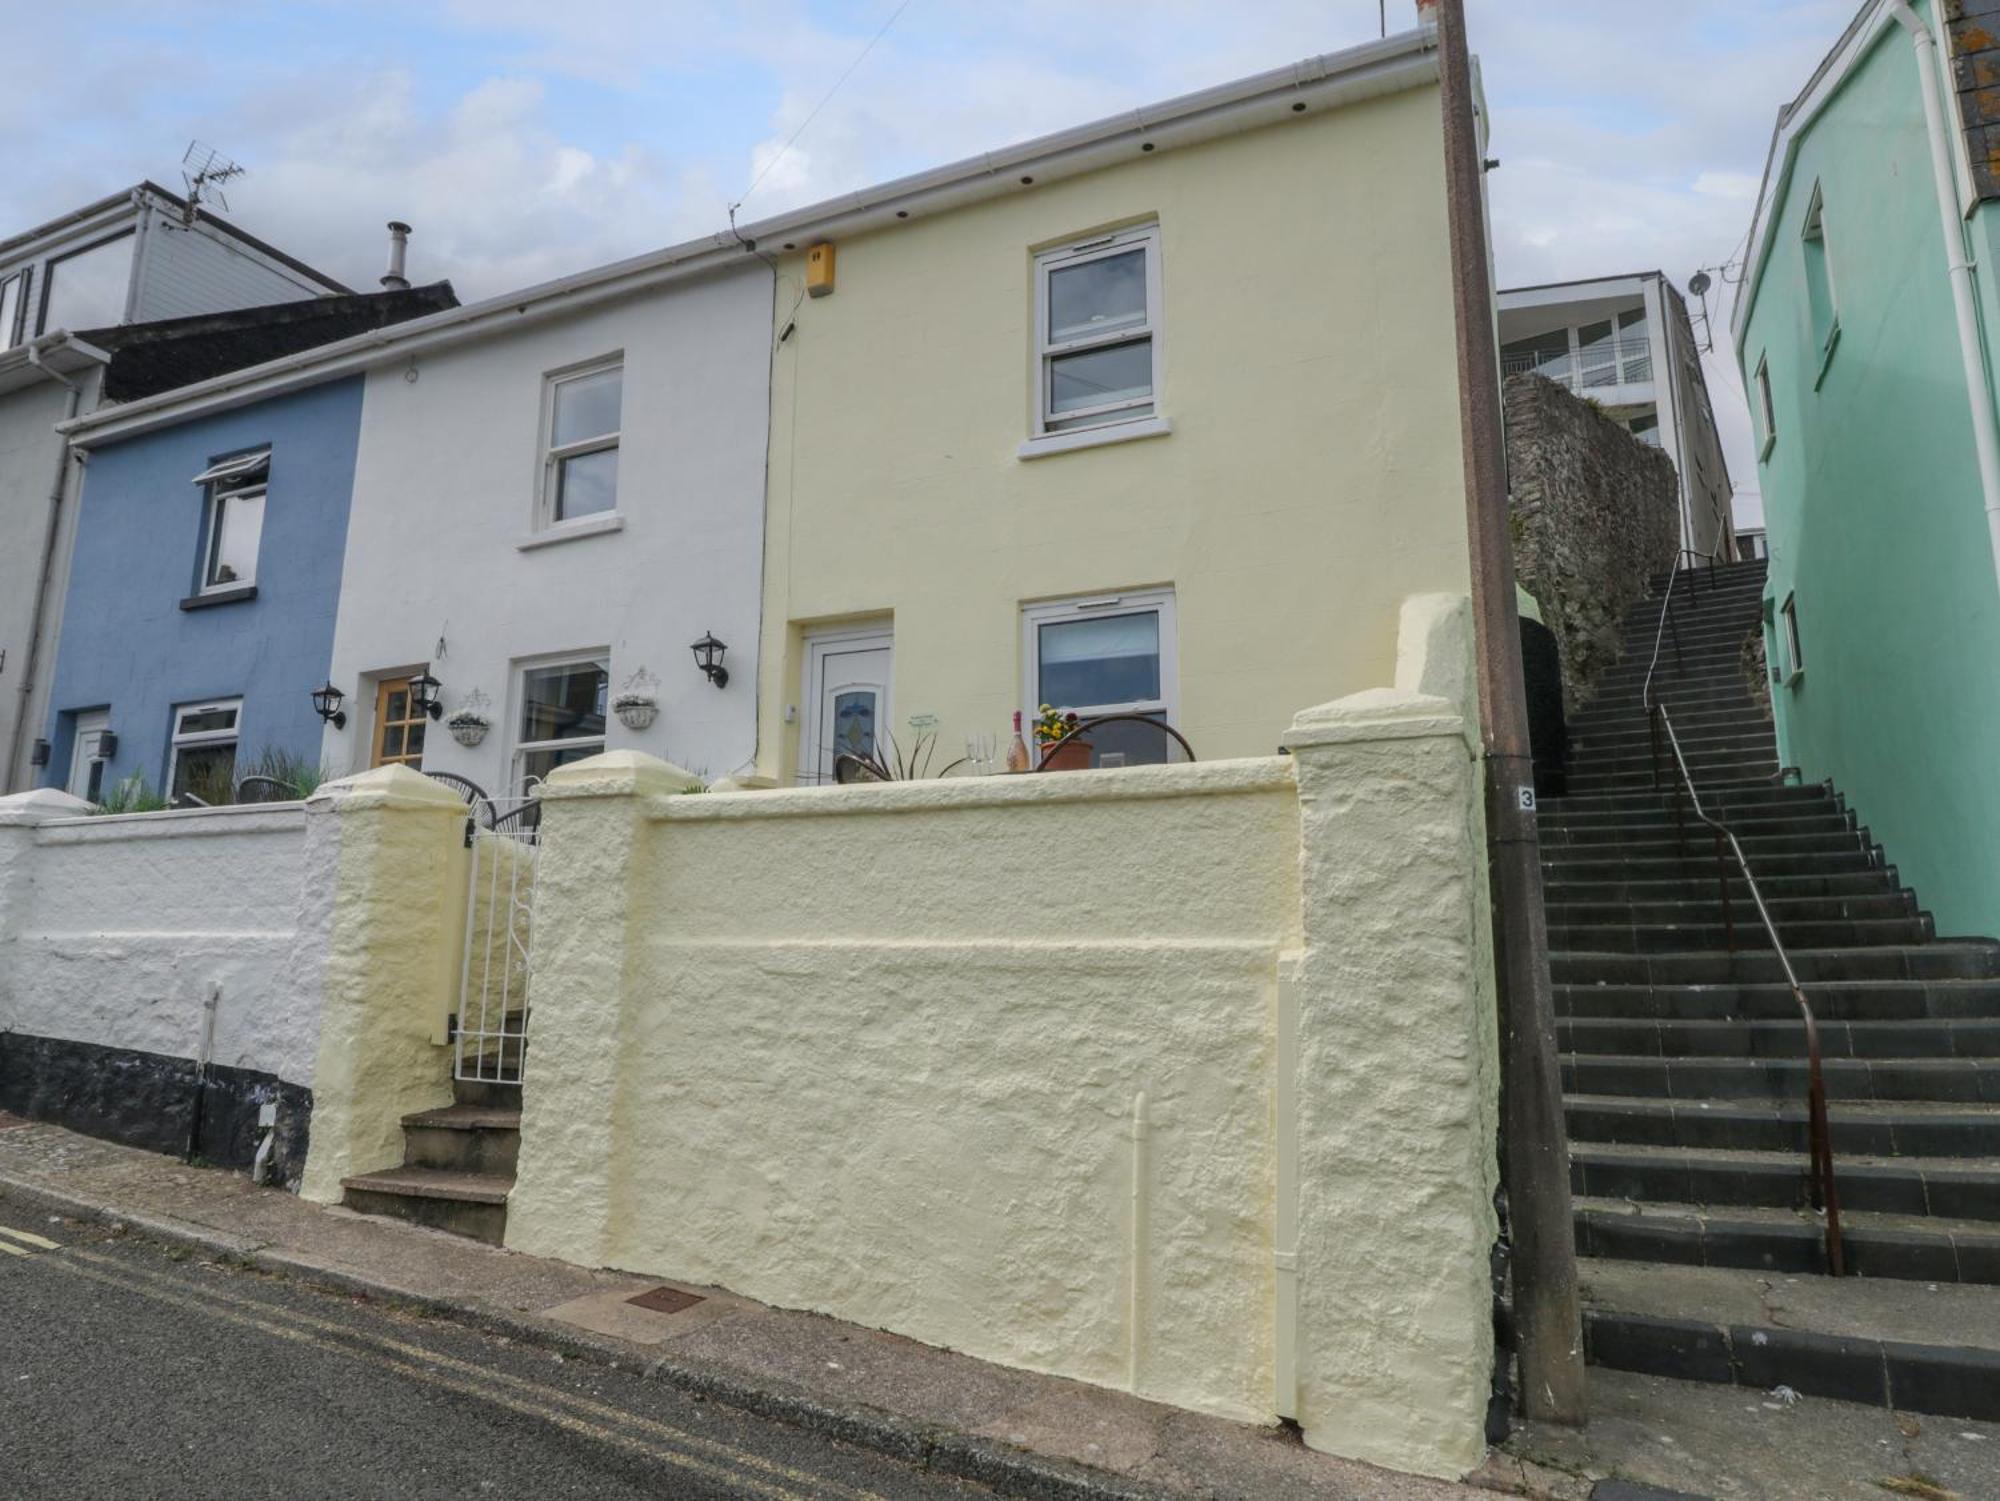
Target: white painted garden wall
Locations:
point(113, 928)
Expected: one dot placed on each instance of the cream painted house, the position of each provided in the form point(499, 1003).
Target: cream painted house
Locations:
point(1160, 414)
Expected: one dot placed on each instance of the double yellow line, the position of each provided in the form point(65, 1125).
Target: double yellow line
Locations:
point(9, 1235)
point(746, 1472)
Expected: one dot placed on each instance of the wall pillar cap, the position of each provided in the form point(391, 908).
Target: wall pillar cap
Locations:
point(386, 787)
point(40, 806)
point(619, 773)
point(1377, 714)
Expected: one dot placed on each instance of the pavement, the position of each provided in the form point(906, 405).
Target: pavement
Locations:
point(945, 1415)
point(808, 1393)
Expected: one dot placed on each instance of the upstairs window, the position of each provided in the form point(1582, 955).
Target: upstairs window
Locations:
point(11, 291)
point(87, 288)
point(1795, 657)
point(203, 759)
point(1097, 340)
point(235, 520)
point(580, 461)
point(1767, 422)
point(1819, 275)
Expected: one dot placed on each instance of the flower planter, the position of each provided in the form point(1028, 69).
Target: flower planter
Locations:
point(1071, 755)
point(636, 714)
point(467, 732)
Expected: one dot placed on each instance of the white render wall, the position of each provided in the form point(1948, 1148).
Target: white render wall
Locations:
point(112, 929)
point(446, 483)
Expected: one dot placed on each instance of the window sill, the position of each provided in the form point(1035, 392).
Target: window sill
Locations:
point(1764, 448)
point(219, 597)
point(1094, 437)
point(1826, 354)
point(1792, 679)
point(569, 531)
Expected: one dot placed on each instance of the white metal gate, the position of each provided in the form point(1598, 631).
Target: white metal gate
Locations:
point(492, 1029)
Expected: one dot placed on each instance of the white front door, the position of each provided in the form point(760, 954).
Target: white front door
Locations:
point(846, 709)
point(86, 768)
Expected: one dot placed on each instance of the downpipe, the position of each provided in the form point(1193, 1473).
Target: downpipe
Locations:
point(204, 1048)
point(1964, 295)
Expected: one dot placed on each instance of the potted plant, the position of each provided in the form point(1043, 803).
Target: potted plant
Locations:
point(638, 702)
point(1056, 752)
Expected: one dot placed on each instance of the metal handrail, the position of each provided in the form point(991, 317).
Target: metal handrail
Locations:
point(1825, 1194)
point(1566, 367)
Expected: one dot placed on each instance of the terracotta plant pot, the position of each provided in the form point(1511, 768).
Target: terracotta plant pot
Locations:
point(1071, 755)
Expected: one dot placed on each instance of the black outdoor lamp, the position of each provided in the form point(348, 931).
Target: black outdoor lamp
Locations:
point(708, 657)
point(424, 694)
point(38, 753)
point(107, 745)
point(326, 702)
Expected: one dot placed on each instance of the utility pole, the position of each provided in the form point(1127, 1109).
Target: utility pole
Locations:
point(1534, 1148)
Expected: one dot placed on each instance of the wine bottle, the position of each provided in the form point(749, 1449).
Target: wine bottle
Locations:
point(1017, 752)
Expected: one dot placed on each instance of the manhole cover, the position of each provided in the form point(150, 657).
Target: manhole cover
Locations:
point(664, 1300)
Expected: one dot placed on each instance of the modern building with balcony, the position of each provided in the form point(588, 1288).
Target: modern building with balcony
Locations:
point(1625, 343)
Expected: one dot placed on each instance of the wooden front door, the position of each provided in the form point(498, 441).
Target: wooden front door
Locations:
point(399, 726)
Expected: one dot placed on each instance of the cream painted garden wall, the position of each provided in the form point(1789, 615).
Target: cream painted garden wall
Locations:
point(1174, 1079)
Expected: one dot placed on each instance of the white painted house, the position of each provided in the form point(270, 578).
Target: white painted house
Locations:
point(135, 257)
point(556, 494)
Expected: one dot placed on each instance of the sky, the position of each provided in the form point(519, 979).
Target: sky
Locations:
point(526, 139)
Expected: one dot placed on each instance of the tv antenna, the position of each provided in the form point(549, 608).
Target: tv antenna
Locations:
point(1700, 285)
point(205, 170)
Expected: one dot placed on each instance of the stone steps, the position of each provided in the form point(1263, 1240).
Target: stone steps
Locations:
point(458, 1161)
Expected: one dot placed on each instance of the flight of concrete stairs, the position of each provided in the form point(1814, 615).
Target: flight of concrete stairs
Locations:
point(1683, 1062)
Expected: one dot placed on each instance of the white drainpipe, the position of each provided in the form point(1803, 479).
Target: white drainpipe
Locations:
point(1985, 431)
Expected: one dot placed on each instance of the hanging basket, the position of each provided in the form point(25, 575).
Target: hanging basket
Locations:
point(467, 729)
point(636, 713)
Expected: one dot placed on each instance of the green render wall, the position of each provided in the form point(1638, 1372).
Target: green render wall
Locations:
point(1872, 498)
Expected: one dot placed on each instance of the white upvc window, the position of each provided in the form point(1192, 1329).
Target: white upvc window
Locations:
point(203, 756)
point(1097, 331)
point(564, 702)
point(1106, 654)
point(1767, 421)
point(1795, 657)
point(233, 524)
point(582, 412)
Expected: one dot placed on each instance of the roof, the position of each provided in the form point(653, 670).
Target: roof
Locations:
point(149, 358)
point(1270, 98)
point(1588, 281)
point(178, 205)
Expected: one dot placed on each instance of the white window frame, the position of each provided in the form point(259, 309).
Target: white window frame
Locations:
point(521, 749)
point(215, 480)
point(1092, 606)
point(1812, 231)
point(548, 490)
point(1788, 630)
point(179, 741)
point(1048, 425)
point(1766, 414)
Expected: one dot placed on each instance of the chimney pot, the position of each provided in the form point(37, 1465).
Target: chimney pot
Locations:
point(399, 244)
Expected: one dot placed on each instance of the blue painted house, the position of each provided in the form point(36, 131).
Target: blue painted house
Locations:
point(202, 593)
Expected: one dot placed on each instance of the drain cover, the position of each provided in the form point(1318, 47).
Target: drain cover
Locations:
point(664, 1300)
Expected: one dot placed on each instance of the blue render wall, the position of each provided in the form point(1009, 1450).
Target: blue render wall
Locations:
point(128, 646)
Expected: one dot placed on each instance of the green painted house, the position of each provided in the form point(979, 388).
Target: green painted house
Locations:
point(1865, 329)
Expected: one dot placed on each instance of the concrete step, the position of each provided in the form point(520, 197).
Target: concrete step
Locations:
point(1911, 1247)
point(1903, 1129)
point(501, 1093)
point(1573, 865)
point(1589, 783)
point(1763, 795)
point(1746, 932)
point(1663, 841)
point(1833, 1001)
point(469, 1204)
point(1947, 1188)
point(1915, 1346)
point(1704, 908)
point(1637, 738)
point(1876, 881)
point(480, 1139)
point(1944, 959)
point(1931, 1080)
point(1644, 1037)
point(1658, 825)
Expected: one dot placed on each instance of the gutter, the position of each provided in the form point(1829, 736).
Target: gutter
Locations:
point(1965, 308)
point(1270, 98)
point(51, 530)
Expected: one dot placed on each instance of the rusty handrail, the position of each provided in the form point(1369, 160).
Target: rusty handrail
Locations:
point(1084, 727)
point(1819, 1135)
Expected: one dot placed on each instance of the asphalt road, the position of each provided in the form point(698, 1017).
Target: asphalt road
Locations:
point(128, 1371)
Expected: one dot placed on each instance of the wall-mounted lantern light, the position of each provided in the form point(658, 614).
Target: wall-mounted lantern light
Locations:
point(38, 753)
point(424, 695)
point(708, 657)
point(107, 746)
point(326, 703)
